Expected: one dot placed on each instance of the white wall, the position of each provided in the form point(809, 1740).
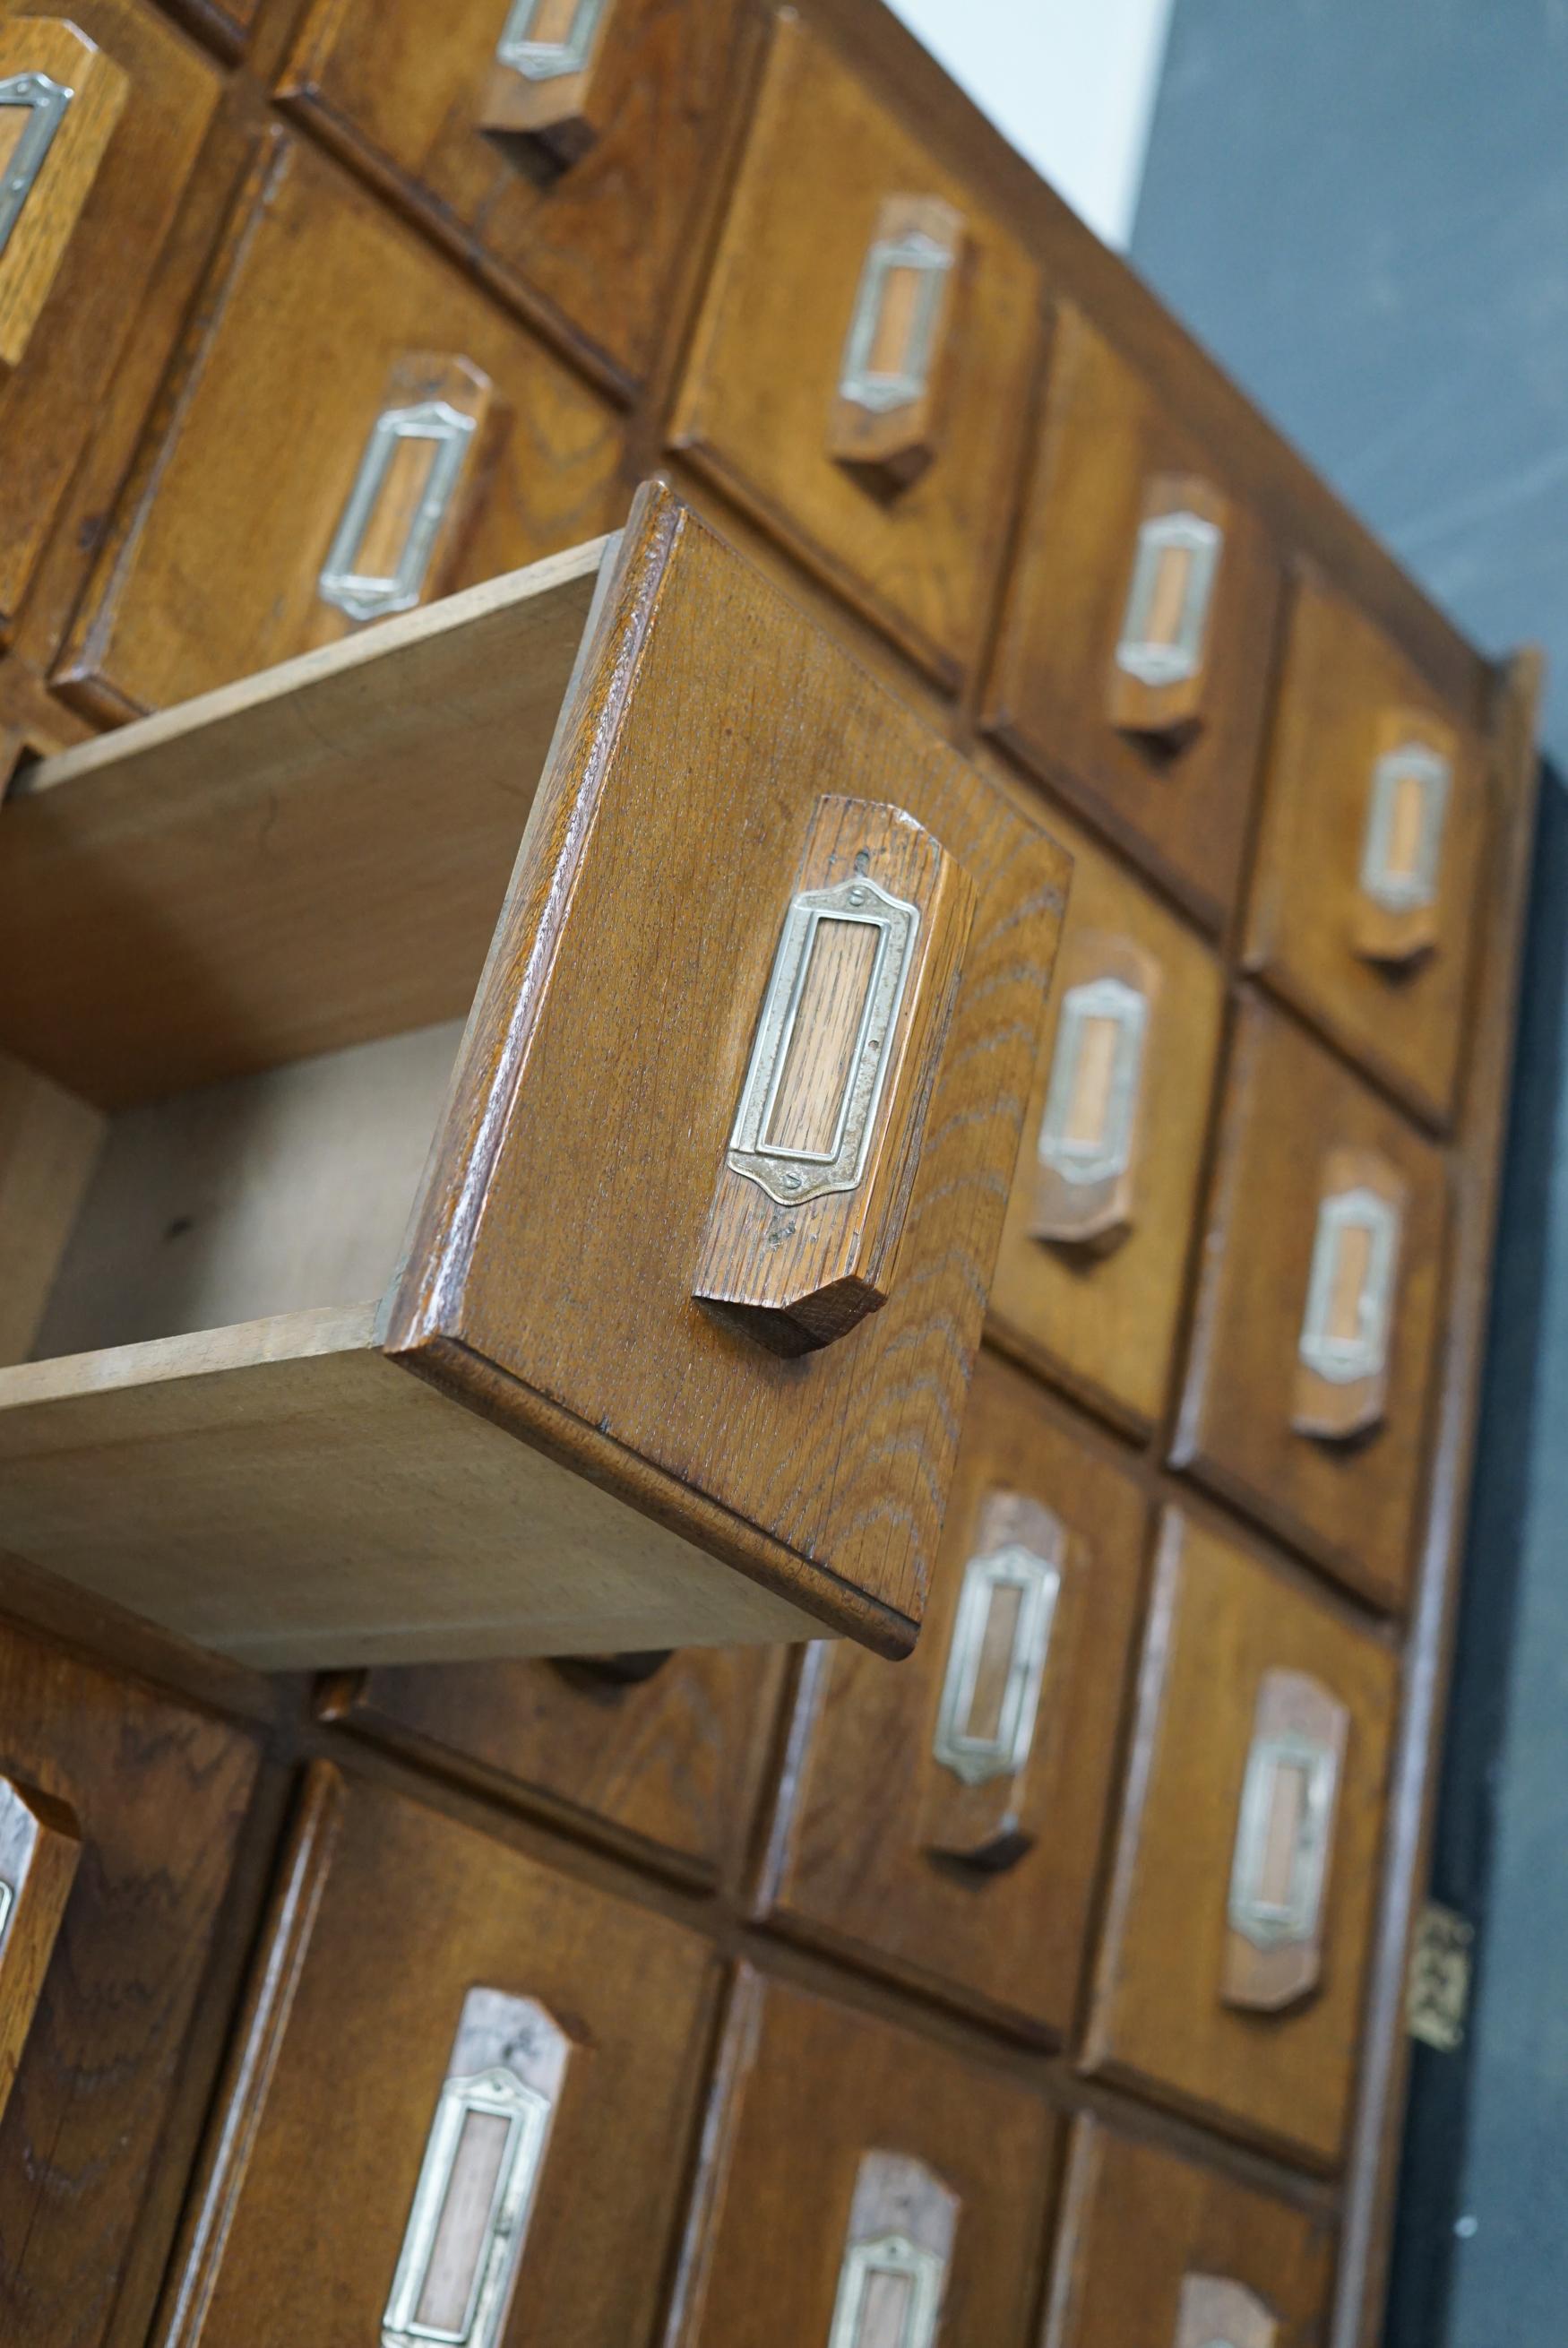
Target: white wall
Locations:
point(1069, 83)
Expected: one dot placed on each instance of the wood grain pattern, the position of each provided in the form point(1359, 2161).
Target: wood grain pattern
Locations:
point(670, 1769)
point(1108, 437)
point(909, 313)
point(806, 2090)
point(30, 261)
point(1218, 1620)
point(40, 1851)
point(1288, 1108)
point(823, 156)
point(602, 1187)
point(198, 858)
point(1105, 1322)
point(50, 401)
point(1154, 2247)
point(597, 243)
point(387, 1914)
point(559, 116)
point(1344, 687)
point(862, 1798)
point(158, 1792)
point(312, 297)
point(797, 1273)
point(49, 1142)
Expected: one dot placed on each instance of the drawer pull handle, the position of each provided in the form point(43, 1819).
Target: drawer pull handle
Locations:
point(1342, 1365)
point(1088, 1137)
point(891, 2283)
point(1216, 2312)
point(403, 512)
point(40, 1845)
point(902, 331)
point(1401, 849)
point(803, 1236)
point(1284, 1843)
point(57, 117)
point(544, 87)
point(1162, 655)
point(472, 2205)
point(988, 1708)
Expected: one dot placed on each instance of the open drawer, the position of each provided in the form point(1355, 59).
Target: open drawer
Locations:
point(685, 1236)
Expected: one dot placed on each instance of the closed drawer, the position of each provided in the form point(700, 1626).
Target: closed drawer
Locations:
point(564, 141)
point(944, 1821)
point(1313, 1339)
point(859, 2186)
point(119, 1813)
point(1153, 2248)
point(864, 349)
point(1230, 1974)
point(1090, 1273)
point(446, 2040)
point(103, 110)
point(1373, 856)
point(707, 1189)
point(353, 429)
point(662, 1753)
point(1133, 664)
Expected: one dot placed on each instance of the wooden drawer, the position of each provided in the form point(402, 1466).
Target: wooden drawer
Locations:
point(105, 166)
point(943, 1820)
point(660, 1754)
point(1314, 1340)
point(1371, 864)
point(1230, 1972)
point(1154, 2247)
point(578, 185)
point(864, 351)
point(352, 430)
point(1133, 668)
point(119, 1812)
point(642, 1303)
point(1090, 1273)
point(855, 2180)
point(444, 2044)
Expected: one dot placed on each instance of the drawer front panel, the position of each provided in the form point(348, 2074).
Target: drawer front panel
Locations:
point(294, 452)
point(1230, 1974)
point(567, 142)
point(867, 334)
point(1089, 1276)
point(119, 1819)
point(859, 2186)
point(96, 178)
point(1150, 2247)
point(944, 1820)
point(662, 1753)
point(445, 2041)
point(1312, 1349)
point(1137, 638)
point(1372, 859)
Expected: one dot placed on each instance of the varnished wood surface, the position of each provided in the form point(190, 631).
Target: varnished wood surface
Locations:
point(862, 1798)
point(1217, 1621)
point(805, 2091)
point(1139, 2227)
point(760, 381)
point(387, 1914)
point(597, 239)
point(312, 297)
point(36, 247)
point(1347, 697)
point(1289, 1110)
point(40, 1851)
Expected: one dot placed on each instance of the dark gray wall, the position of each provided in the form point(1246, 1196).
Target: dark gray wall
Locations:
point(1361, 206)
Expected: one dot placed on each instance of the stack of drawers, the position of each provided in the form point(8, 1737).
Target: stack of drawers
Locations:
point(1045, 1990)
